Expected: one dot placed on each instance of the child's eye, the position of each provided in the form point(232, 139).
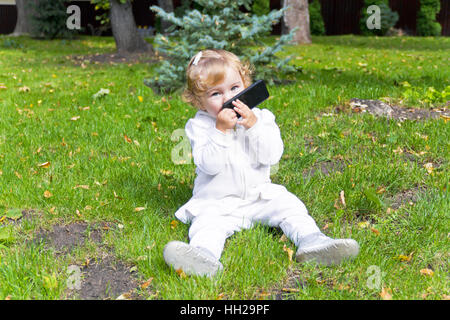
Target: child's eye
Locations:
point(214, 94)
point(235, 87)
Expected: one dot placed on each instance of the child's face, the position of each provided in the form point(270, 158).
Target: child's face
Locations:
point(217, 95)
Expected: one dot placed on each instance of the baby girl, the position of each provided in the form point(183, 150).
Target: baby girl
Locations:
point(232, 188)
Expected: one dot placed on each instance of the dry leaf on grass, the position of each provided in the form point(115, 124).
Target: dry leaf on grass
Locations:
point(342, 198)
point(386, 294)
point(44, 165)
point(181, 273)
point(429, 167)
point(146, 283)
point(173, 224)
point(289, 252)
point(427, 272)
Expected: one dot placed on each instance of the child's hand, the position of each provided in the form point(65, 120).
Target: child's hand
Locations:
point(248, 118)
point(226, 119)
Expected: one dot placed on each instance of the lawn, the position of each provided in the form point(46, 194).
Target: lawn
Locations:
point(91, 182)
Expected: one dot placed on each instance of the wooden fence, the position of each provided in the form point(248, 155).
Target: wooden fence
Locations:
point(340, 16)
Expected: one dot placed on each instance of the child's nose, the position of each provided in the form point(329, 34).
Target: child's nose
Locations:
point(228, 95)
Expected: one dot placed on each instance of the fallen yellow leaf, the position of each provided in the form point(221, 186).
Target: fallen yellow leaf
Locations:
point(139, 209)
point(429, 167)
point(363, 224)
point(173, 224)
point(44, 165)
point(386, 294)
point(405, 258)
point(75, 118)
point(24, 89)
point(380, 190)
point(446, 118)
point(127, 139)
point(166, 172)
point(342, 198)
point(82, 186)
point(181, 273)
point(427, 272)
point(146, 283)
point(375, 231)
point(124, 296)
point(289, 252)
point(47, 194)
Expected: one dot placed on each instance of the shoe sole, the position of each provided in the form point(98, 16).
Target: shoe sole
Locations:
point(329, 254)
point(192, 261)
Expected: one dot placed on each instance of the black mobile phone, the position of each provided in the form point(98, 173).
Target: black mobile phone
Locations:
point(251, 96)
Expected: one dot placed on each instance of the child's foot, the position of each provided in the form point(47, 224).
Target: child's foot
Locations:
point(192, 260)
point(324, 250)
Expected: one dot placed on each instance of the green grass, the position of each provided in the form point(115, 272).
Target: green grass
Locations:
point(41, 90)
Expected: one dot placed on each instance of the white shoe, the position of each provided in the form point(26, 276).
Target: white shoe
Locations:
point(324, 250)
point(192, 260)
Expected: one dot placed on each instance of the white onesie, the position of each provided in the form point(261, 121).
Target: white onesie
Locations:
point(232, 189)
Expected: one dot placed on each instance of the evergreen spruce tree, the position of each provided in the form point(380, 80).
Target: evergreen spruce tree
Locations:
point(219, 24)
point(49, 20)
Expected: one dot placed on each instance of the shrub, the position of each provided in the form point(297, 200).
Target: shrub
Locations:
point(261, 7)
point(316, 23)
point(426, 18)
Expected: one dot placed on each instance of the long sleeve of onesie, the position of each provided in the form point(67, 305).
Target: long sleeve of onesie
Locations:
point(265, 143)
point(209, 146)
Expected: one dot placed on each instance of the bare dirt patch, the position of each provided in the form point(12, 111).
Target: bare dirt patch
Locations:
point(290, 287)
point(400, 113)
point(406, 197)
point(64, 238)
point(17, 216)
point(327, 168)
point(107, 278)
point(103, 277)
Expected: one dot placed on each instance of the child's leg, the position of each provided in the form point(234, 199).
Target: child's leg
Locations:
point(210, 232)
point(290, 214)
point(207, 238)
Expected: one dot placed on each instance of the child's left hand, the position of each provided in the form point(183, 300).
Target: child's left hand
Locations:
point(248, 118)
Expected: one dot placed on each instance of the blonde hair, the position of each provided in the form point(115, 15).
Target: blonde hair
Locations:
point(207, 69)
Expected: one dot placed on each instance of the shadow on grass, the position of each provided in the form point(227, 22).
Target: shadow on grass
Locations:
point(165, 195)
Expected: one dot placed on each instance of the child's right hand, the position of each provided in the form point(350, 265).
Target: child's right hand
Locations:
point(226, 119)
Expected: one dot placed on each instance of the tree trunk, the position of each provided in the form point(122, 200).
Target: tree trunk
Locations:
point(124, 29)
point(167, 6)
point(24, 14)
point(298, 16)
